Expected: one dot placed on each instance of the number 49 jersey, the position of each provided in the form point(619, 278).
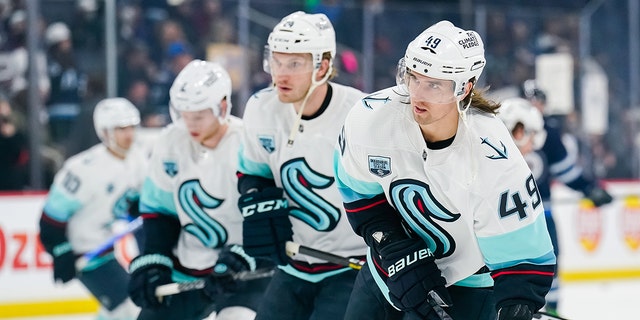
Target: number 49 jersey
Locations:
point(475, 203)
point(196, 185)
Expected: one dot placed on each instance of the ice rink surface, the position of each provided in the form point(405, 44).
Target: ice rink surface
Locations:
point(580, 301)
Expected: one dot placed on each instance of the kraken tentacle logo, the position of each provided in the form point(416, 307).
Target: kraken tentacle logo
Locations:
point(193, 199)
point(299, 180)
point(419, 208)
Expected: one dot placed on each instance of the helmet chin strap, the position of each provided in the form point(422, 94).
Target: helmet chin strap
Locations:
point(463, 110)
point(314, 84)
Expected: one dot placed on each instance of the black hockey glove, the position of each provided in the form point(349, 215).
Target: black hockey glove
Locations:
point(231, 260)
point(148, 272)
point(266, 227)
point(515, 312)
point(64, 263)
point(599, 196)
point(412, 274)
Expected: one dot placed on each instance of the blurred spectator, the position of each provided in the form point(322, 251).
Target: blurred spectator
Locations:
point(17, 58)
point(212, 24)
point(13, 149)
point(135, 65)
point(68, 82)
point(178, 55)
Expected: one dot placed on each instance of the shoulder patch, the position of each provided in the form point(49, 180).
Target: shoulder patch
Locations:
point(498, 153)
point(268, 143)
point(380, 166)
point(170, 168)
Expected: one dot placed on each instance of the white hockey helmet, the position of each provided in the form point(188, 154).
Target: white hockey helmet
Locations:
point(518, 110)
point(302, 32)
point(114, 113)
point(200, 85)
point(56, 33)
point(444, 51)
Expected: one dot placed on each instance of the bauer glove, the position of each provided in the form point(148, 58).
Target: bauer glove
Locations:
point(515, 312)
point(148, 272)
point(412, 275)
point(266, 227)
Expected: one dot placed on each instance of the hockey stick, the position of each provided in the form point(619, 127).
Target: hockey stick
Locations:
point(175, 288)
point(542, 315)
point(132, 226)
point(295, 248)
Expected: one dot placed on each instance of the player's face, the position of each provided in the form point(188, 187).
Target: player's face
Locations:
point(291, 74)
point(523, 139)
point(431, 99)
point(201, 124)
point(124, 136)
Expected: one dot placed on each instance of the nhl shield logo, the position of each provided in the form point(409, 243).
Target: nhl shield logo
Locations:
point(631, 222)
point(380, 166)
point(268, 143)
point(589, 224)
point(170, 167)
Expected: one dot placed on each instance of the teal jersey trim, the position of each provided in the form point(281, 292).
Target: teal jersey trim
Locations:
point(350, 188)
point(247, 166)
point(315, 278)
point(517, 247)
point(154, 199)
point(476, 281)
point(59, 206)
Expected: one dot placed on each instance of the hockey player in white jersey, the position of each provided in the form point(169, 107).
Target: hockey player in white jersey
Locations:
point(188, 204)
point(551, 162)
point(286, 158)
point(435, 185)
point(93, 190)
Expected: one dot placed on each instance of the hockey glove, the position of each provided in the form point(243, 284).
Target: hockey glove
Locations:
point(64, 263)
point(266, 227)
point(599, 196)
point(412, 274)
point(148, 272)
point(515, 312)
point(231, 260)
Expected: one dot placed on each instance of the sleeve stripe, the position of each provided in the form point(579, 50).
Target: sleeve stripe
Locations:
point(541, 273)
point(369, 206)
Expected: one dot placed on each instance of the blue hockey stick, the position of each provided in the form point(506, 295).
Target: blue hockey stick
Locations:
point(108, 244)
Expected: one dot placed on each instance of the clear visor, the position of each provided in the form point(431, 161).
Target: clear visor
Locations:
point(430, 90)
point(286, 63)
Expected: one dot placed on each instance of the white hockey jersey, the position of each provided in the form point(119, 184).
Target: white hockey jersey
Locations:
point(475, 203)
point(92, 190)
point(304, 170)
point(197, 185)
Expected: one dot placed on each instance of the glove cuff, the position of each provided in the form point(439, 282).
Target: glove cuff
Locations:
point(251, 261)
point(61, 249)
point(149, 260)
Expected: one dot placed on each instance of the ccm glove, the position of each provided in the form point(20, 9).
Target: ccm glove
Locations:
point(64, 263)
point(599, 196)
point(148, 272)
point(515, 312)
point(266, 227)
point(412, 274)
point(231, 260)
